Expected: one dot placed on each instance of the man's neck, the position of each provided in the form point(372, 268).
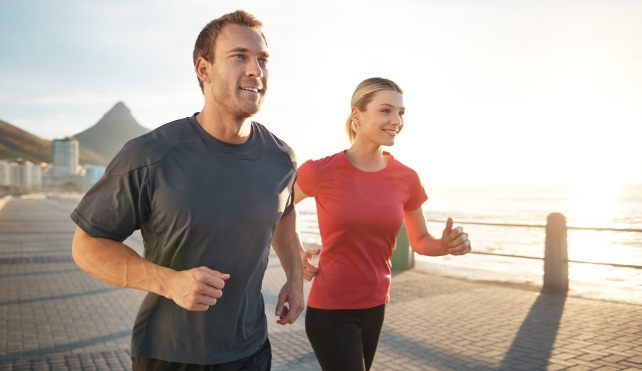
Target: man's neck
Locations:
point(224, 126)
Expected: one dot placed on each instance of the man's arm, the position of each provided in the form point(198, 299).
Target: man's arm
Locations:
point(117, 264)
point(286, 244)
point(309, 270)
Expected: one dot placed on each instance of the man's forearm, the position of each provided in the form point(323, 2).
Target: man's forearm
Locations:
point(287, 246)
point(117, 264)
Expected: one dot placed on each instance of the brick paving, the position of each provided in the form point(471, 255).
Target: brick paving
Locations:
point(53, 316)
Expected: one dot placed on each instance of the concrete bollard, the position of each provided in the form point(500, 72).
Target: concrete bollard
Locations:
point(556, 253)
point(403, 258)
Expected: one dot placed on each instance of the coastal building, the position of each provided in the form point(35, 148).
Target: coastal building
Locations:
point(30, 175)
point(20, 174)
point(4, 173)
point(65, 155)
point(93, 174)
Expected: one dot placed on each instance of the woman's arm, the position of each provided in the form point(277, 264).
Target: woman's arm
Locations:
point(298, 194)
point(453, 241)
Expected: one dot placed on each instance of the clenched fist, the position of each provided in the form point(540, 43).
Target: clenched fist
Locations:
point(197, 289)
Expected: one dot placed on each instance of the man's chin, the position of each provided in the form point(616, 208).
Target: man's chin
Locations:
point(247, 112)
point(251, 109)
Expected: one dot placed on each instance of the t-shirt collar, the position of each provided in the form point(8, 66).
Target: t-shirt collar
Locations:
point(219, 144)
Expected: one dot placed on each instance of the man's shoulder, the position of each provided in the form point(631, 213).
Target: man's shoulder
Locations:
point(151, 147)
point(272, 142)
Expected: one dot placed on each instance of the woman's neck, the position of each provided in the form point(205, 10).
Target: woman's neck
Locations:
point(367, 158)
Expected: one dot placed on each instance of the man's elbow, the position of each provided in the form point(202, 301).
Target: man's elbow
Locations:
point(78, 249)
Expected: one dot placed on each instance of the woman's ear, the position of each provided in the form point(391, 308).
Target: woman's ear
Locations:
point(355, 116)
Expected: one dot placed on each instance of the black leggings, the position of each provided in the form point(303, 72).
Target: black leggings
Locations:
point(344, 339)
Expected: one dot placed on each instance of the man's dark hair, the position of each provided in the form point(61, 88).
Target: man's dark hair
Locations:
point(206, 41)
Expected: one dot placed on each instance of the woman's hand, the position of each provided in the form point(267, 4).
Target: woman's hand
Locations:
point(454, 240)
point(309, 270)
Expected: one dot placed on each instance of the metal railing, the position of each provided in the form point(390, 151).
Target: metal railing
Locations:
point(630, 230)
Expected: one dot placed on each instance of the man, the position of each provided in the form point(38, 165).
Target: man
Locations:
point(209, 193)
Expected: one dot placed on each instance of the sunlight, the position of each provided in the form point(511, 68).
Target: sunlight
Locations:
point(592, 204)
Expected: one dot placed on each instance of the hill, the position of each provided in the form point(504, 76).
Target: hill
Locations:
point(111, 132)
point(15, 142)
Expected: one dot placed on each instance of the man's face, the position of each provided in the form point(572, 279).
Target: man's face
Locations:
point(239, 71)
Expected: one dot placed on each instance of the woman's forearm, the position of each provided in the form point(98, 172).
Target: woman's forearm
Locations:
point(429, 245)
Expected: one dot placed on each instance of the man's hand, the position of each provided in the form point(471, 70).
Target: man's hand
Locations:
point(197, 289)
point(309, 270)
point(293, 295)
point(454, 240)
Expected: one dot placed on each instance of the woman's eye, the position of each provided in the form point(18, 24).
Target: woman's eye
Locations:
point(386, 111)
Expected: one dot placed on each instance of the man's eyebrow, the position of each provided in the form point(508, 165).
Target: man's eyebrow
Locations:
point(262, 53)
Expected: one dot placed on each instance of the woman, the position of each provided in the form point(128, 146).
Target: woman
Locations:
point(363, 194)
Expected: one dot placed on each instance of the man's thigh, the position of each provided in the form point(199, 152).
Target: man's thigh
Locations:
point(261, 360)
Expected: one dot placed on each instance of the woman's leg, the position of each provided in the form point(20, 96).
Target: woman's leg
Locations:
point(336, 337)
point(371, 331)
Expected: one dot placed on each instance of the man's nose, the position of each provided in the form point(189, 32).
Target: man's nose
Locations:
point(254, 69)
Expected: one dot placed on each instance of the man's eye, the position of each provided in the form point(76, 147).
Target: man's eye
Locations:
point(263, 60)
point(401, 113)
point(239, 56)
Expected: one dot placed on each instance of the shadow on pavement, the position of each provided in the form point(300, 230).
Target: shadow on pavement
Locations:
point(49, 273)
point(536, 336)
point(64, 348)
point(433, 357)
point(68, 296)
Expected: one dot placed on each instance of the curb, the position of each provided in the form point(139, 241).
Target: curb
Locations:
point(4, 200)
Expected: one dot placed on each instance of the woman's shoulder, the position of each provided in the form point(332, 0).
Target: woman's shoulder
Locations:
point(404, 170)
point(323, 164)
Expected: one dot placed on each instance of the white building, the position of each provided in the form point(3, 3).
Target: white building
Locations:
point(30, 176)
point(4, 173)
point(65, 155)
point(93, 174)
point(21, 174)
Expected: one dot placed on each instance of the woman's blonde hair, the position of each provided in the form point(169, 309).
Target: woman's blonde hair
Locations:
point(363, 95)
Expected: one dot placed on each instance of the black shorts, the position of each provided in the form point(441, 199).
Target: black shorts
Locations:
point(259, 361)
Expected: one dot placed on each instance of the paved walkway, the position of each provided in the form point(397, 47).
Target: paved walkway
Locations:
point(53, 316)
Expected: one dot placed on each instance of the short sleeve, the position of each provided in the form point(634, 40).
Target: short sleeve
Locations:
point(417, 193)
point(308, 178)
point(289, 207)
point(115, 206)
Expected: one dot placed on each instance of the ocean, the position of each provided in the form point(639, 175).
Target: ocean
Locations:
point(587, 206)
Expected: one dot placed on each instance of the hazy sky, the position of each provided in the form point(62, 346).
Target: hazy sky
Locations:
point(496, 92)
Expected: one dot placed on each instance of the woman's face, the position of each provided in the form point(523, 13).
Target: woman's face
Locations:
point(382, 119)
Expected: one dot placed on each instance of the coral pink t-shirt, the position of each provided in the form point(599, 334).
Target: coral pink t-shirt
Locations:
point(360, 214)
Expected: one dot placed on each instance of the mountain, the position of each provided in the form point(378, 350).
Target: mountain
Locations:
point(111, 132)
point(15, 142)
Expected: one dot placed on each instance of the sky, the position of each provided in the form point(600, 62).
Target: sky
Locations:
point(497, 92)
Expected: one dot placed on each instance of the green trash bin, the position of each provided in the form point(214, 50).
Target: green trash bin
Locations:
point(403, 258)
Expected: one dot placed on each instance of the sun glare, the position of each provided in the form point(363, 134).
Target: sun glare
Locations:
point(591, 205)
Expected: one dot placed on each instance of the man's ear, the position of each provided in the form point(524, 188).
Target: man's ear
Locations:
point(202, 68)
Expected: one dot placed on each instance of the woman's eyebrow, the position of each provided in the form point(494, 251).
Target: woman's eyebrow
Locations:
point(390, 105)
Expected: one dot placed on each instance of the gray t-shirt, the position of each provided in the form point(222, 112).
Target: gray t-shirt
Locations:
point(198, 201)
